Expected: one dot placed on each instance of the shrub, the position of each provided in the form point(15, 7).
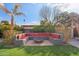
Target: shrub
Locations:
point(1, 34)
point(8, 37)
point(41, 28)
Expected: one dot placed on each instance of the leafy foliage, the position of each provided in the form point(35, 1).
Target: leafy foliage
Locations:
point(8, 37)
point(6, 34)
point(18, 28)
point(45, 26)
point(15, 12)
point(39, 29)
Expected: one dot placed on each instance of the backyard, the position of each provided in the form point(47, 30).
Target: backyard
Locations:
point(56, 50)
point(43, 31)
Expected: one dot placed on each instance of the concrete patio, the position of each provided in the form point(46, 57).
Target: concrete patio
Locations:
point(44, 43)
point(74, 42)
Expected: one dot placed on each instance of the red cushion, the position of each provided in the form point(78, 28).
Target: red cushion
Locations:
point(52, 35)
point(39, 34)
point(56, 36)
point(23, 36)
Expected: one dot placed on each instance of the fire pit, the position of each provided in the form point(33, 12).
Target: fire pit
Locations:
point(38, 41)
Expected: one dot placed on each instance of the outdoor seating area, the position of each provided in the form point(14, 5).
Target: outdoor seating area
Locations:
point(41, 38)
point(42, 29)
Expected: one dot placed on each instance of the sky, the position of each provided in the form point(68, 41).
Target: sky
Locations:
point(31, 10)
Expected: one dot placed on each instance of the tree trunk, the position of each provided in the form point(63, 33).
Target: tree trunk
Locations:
point(12, 23)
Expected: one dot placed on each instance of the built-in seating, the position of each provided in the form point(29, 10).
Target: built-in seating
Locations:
point(55, 38)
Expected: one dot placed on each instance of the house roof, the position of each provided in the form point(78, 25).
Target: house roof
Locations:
point(28, 26)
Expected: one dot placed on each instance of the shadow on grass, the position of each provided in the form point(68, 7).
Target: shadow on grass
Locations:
point(8, 46)
point(56, 50)
point(66, 50)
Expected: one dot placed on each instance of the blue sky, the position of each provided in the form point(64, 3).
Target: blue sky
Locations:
point(32, 12)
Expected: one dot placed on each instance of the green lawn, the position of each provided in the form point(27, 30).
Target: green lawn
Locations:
point(65, 50)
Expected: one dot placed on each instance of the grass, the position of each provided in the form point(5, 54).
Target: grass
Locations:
point(66, 50)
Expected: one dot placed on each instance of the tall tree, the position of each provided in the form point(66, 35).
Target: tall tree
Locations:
point(49, 15)
point(45, 12)
point(68, 20)
point(14, 12)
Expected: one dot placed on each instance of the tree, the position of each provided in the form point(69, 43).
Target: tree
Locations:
point(63, 18)
point(68, 20)
point(39, 29)
point(48, 26)
point(18, 28)
point(45, 26)
point(4, 26)
point(48, 16)
point(5, 22)
point(14, 12)
point(45, 12)
point(74, 19)
point(5, 33)
point(50, 13)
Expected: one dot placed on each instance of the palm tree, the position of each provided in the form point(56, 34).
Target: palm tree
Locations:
point(12, 13)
